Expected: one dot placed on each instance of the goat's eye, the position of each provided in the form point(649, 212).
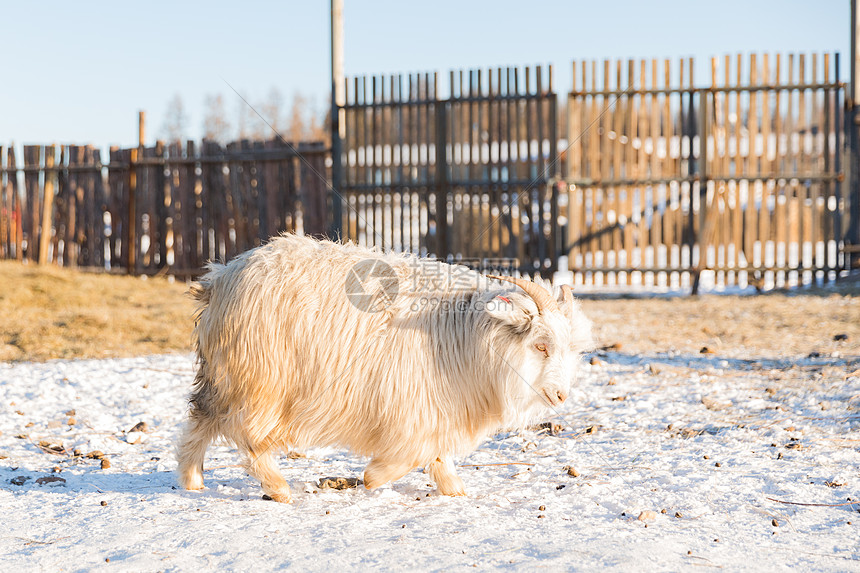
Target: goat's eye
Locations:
point(542, 348)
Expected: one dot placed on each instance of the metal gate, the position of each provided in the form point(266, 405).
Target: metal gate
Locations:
point(467, 178)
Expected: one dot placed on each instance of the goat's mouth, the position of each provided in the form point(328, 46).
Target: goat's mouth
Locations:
point(554, 397)
point(548, 397)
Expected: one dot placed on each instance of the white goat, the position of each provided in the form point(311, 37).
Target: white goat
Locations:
point(422, 369)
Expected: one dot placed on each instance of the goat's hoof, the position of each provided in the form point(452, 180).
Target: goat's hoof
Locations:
point(279, 497)
point(192, 483)
point(453, 491)
point(453, 487)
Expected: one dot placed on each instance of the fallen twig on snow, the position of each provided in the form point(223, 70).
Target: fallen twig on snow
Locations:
point(814, 504)
point(500, 464)
point(28, 541)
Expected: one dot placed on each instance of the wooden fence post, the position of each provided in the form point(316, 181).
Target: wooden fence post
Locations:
point(158, 230)
point(47, 206)
point(702, 165)
point(441, 180)
point(131, 226)
point(5, 214)
point(17, 231)
point(190, 209)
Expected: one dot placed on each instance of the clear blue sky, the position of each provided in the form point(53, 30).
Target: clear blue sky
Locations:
point(77, 72)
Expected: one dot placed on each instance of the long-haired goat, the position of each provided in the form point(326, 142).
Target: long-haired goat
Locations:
point(294, 351)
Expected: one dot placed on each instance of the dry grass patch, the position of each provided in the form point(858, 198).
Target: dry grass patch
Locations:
point(50, 312)
point(772, 325)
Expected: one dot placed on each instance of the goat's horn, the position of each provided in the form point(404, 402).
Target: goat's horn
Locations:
point(543, 299)
point(567, 294)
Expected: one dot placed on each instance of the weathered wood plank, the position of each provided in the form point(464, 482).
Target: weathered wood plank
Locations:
point(47, 206)
point(5, 211)
point(32, 206)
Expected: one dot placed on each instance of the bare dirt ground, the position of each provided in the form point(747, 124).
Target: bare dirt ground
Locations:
point(772, 325)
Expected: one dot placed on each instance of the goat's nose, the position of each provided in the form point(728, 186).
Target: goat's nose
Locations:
point(562, 395)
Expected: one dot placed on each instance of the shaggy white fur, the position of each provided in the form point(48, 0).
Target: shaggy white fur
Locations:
point(286, 359)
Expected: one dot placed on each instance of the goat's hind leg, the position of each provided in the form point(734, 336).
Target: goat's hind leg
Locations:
point(442, 472)
point(201, 430)
point(380, 471)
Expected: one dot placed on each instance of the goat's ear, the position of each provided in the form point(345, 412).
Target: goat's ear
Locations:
point(514, 310)
point(566, 302)
point(581, 328)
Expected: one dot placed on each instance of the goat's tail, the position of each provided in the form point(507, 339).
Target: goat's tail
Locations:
point(201, 291)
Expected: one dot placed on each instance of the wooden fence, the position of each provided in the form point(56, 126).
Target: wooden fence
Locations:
point(59, 188)
point(463, 177)
point(743, 177)
point(657, 182)
point(168, 208)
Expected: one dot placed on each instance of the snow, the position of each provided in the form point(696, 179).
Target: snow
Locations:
point(644, 432)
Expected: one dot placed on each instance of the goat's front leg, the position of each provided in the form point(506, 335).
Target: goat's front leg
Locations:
point(261, 464)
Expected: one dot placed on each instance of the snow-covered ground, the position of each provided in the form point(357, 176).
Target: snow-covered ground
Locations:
point(708, 440)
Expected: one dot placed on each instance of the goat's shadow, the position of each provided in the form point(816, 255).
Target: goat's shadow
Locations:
point(26, 480)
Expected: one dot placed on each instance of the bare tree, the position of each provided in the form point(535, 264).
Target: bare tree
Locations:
point(215, 124)
point(297, 127)
point(271, 110)
point(175, 123)
point(266, 120)
point(318, 128)
point(250, 126)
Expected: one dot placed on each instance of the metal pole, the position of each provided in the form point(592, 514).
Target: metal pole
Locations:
point(852, 100)
point(338, 100)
